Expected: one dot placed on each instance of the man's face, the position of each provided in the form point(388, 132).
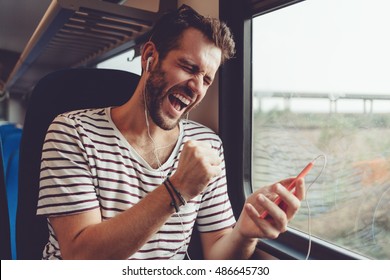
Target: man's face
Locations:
point(179, 82)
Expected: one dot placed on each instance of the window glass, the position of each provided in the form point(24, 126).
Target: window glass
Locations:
point(321, 86)
point(126, 61)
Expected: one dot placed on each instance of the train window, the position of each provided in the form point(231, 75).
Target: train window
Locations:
point(321, 87)
point(127, 61)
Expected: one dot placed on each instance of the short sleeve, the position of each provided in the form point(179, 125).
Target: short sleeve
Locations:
point(66, 181)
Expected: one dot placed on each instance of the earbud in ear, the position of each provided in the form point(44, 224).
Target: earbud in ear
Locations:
point(148, 62)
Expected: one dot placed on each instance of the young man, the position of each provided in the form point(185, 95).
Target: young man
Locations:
point(130, 182)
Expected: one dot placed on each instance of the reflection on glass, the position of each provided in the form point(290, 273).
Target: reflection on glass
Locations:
point(321, 86)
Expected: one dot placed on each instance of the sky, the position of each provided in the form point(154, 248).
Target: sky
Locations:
point(327, 46)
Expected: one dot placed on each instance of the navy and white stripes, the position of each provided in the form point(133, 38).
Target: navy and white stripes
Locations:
point(88, 164)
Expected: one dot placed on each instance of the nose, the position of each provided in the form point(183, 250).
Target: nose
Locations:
point(196, 84)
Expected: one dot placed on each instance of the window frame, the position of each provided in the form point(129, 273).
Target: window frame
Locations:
point(235, 124)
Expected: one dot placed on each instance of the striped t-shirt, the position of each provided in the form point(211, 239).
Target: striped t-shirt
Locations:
point(87, 163)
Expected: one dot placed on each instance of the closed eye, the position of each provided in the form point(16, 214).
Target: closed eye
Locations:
point(207, 80)
point(194, 69)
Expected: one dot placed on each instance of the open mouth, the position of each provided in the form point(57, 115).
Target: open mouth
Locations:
point(178, 101)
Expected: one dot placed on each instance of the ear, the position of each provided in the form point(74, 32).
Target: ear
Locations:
point(148, 56)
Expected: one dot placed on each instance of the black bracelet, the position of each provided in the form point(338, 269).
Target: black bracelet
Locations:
point(177, 193)
point(173, 202)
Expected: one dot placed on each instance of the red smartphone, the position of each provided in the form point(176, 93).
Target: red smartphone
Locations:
point(290, 187)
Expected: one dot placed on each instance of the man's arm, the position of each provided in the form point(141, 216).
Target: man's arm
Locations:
point(240, 242)
point(85, 236)
point(224, 244)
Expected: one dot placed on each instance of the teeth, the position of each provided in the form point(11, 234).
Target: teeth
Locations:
point(182, 99)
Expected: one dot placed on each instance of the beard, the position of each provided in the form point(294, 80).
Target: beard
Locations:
point(154, 96)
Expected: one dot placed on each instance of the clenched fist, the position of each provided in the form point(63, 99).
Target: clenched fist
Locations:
point(198, 164)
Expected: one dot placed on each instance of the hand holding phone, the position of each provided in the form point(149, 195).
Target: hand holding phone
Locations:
point(290, 187)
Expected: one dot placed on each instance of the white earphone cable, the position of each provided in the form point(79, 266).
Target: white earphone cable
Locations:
point(308, 206)
point(155, 149)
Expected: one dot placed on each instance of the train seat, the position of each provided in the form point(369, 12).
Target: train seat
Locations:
point(11, 143)
point(58, 92)
point(5, 244)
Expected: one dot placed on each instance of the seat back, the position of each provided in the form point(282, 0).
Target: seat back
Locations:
point(5, 243)
point(11, 144)
point(56, 93)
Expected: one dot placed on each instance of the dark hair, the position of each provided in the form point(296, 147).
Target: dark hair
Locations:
point(168, 30)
